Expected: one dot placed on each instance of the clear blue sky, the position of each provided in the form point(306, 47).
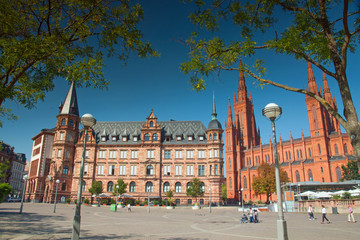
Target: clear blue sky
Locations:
point(157, 83)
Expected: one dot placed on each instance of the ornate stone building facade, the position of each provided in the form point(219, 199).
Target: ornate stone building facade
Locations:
point(315, 158)
point(152, 156)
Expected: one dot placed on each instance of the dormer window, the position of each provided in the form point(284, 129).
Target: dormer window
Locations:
point(201, 138)
point(178, 138)
point(135, 138)
point(151, 123)
point(114, 138)
point(167, 138)
point(124, 138)
point(103, 138)
point(190, 138)
point(147, 137)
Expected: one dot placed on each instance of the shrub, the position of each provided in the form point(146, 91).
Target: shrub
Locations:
point(346, 195)
point(336, 197)
point(104, 201)
point(68, 200)
point(156, 202)
point(86, 201)
point(137, 202)
point(250, 202)
point(145, 202)
point(113, 201)
point(128, 201)
point(75, 201)
point(163, 202)
point(260, 202)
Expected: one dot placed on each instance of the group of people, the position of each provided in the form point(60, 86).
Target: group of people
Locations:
point(253, 217)
point(323, 212)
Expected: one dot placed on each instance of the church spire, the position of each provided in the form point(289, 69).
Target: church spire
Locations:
point(311, 79)
point(70, 105)
point(230, 120)
point(242, 91)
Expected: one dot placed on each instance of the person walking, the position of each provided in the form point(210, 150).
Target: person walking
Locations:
point(251, 216)
point(129, 207)
point(323, 211)
point(311, 213)
point(350, 214)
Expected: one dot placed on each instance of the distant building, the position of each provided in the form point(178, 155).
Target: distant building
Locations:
point(318, 157)
point(17, 174)
point(16, 163)
point(152, 156)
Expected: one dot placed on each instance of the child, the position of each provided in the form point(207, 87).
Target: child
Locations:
point(244, 219)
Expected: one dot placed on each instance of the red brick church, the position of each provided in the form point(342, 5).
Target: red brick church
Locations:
point(318, 157)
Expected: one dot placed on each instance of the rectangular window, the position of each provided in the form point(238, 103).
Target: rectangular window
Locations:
point(201, 170)
point(123, 154)
point(112, 154)
point(210, 170)
point(102, 154)
point(134, 154)
point(87, 153)
point(122, 170)
point(210, 153)
point(167, 154)
point(86, 169)
point(59, 153)
point(178, 170)
point(178, 154)
point(190, 170)
point(150, 154)
point(100, 170)
point(111, 169)
point(216, 170)
point(216, 153)
point(190, 154)
point(67, 154)
point(167, 170)
point(61, 136)
point(201, 154)
point(133, 170)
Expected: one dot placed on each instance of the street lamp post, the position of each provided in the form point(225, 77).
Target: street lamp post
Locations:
point(117, 196)
point(210, 200)
point(57, 184)
point(87, 120)
point(272, 111)
point(23, 194)
point(242, 200)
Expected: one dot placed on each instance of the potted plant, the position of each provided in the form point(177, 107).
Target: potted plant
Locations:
point(145, 203)
point(163, 203)
point(104, 202)
point(112, 201)
point(170, 195)
point(68, 201)
point(86, 201)
point(75, 201)
point(137, 202)
point(156, 202)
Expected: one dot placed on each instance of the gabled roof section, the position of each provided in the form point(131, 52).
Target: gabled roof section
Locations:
point(70, 105)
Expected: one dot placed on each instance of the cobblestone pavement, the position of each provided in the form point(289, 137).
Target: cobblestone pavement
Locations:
point(39, 222)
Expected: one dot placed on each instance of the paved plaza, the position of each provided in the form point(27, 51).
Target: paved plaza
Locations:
point(39, 222)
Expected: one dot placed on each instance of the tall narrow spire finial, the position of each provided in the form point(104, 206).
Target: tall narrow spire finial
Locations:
point(70, 105)
point(214, 114)
point(311, 79)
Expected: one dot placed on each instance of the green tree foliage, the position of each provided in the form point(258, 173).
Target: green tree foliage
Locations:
point(170, 195)
point(317, 31)
point(224, 192)
point(41, 41)
point(264, 183)
point(350, 171)
point(195, 189)
point(122, 187)
point(96, 188)
point(5, 188)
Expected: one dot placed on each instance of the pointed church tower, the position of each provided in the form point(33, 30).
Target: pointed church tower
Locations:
point(66, 136)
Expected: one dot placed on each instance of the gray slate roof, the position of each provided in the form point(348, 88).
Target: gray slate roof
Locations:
point(169, 128)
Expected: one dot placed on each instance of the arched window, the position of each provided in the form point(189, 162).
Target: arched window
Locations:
point(230, 183)
point(66, 170)
point(245, 182)
point(290, 155)
point(345, 148)
point(319, 148)
point(63, 122)
point(178, 187)
point(71, 122)
point(83, 186)
point(155, 137)
point(132, 187)
point(149, 170)
point(166, 187)
point(110, 186)
point(215, 136)
point(187, 185)
point(301, 154)
point(297, 174)
point(229, 164)
point(146, 137)
point(297, 152)
point(321, 169)
point(338, 174)
point(151, 124)
point(287, 156)
point(210, 137)
point(309, 152)
point(315, 119)
point(149, 187)
point(310, 175)
point(63, 187)
point(336, 149)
